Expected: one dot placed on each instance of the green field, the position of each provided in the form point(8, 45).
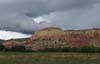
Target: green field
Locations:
point(48, 58)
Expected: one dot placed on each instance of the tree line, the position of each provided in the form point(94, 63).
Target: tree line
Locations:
point(85, 49)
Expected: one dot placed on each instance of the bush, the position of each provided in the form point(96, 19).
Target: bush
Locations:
point(90, 49)
point(50, 50)
point(74, 49)
point(55, 50)
point(18, 48)
point(1, 47)
point(86, 49)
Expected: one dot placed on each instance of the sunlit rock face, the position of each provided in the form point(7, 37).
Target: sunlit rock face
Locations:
point(48, 38)
point(49, 34)
point(57, 38)
point(12, 43)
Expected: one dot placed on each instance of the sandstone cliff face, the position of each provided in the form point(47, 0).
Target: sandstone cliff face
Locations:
point(84, 37)
point(12, 43)
point(50, 33)
point(57, 38)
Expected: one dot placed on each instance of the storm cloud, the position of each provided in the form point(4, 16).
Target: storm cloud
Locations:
point(29, 15)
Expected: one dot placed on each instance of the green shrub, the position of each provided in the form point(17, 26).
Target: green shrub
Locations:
point(87, 49)
point(18, 48)
point(90, 49)
point(1, 47)
point(55, 50)
point(74, 49)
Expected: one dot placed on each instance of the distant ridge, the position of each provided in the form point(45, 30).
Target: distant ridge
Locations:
point(54, 37)
point(70, 38)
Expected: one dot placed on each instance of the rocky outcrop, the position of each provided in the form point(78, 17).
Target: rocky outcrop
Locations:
point(12, 43)
point(57, 38)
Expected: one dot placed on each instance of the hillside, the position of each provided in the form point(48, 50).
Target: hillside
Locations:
point(53, 37)
point(46, 33)
point(58, 38)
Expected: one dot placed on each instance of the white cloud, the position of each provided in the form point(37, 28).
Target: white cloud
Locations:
point(41, 19)
point(11, 35)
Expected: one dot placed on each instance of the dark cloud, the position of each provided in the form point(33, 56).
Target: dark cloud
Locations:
point(18, 15)
point(48, 6)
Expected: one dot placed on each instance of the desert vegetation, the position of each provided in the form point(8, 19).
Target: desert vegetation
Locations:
point(85, 49)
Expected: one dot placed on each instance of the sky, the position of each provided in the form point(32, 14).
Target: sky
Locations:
point(27, 16)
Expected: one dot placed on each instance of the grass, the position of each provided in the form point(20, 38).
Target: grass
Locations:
point(48, 58)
